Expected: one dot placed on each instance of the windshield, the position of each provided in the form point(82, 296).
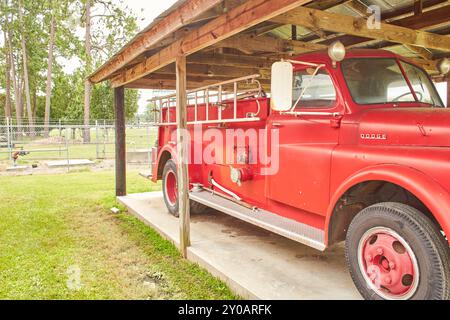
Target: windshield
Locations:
point(380, 81)
point(424, 89)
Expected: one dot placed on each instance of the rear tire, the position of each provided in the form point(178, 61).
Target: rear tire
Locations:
point(395, 252)
point(170, 191)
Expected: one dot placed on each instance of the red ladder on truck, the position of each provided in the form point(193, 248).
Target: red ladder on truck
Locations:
point(213, 96)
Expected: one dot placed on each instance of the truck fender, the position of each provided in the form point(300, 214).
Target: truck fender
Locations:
point(425, 188)
point(173, 155)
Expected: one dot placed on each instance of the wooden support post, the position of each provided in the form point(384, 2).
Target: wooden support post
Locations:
point(182, 145)
point(119, 109)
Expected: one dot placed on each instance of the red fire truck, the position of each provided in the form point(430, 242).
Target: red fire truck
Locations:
point(351, 146)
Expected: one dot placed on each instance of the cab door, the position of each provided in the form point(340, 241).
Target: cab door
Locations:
point(307, 139)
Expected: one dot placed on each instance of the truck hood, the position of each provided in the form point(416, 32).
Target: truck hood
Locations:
point(405, 127)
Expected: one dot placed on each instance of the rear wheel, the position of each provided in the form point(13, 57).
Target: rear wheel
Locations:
point(395, 252)
point(170, 191)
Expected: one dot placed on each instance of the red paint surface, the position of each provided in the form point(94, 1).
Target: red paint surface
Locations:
point(321, 157)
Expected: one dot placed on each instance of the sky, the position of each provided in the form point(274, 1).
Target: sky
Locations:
point(147, 11)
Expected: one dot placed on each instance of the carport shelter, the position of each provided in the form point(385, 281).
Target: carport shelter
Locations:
point(201, 42)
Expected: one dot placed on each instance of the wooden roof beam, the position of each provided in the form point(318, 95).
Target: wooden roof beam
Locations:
point(232, 60)
point(363, 12)
point(319, 5)
point(186, 13)
point(425, 21)
point(250, 44)
point(211, 71)
point(247, 15)
point(397, 15)
point(311, 18)
point(192, 83)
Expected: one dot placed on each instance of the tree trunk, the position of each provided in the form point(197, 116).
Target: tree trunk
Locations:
point(49, 76)
point(7, 78)
point(87, 84)
point(16, 85)
point(25, 73)
point(34, 105)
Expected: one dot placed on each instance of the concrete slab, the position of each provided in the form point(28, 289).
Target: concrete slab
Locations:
point(72, 163)
point(255, 263)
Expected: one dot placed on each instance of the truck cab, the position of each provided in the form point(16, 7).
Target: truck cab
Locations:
point(351, 146)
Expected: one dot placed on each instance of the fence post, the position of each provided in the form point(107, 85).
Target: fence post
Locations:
point(149, 140)
point(96, 140)
point(105, 138)
point(67, 148)
point(8, 138)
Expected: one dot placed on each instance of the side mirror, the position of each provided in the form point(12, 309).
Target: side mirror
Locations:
point(282, 85)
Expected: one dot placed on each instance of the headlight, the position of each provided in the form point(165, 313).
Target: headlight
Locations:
point(444, 66)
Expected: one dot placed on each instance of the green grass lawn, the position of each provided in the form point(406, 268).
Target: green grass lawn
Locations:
point(59, 240)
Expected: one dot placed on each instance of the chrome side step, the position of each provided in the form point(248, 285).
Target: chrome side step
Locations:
point(288, 228)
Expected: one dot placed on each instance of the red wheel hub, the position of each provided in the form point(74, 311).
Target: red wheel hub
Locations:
point(388, 264)
point(171, 187)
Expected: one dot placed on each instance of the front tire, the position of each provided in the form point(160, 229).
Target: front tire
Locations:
point(170, 191)
point(395, 252)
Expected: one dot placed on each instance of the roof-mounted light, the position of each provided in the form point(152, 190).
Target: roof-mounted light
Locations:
point(444, 66)
point(337, 52)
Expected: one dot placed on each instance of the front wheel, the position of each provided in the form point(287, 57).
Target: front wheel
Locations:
point(170, 191)
point(395, 252)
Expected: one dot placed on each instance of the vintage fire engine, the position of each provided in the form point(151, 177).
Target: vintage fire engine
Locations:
point(356, 148)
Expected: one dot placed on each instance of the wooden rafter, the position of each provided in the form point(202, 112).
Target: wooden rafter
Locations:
point(250, 44)
point(358, 7)
point(211, 71)
point(427, 20)
point(311, 18)
point(186, 13)
point(319, 5)
point(232, 60)
point(418, 6)
point(168, 82)
point(241, 18)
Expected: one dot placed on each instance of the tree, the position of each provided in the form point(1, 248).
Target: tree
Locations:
point(48, 91)
point(87, 83)
point(7, 108)
point(41, 37)
point(25, 70)
point(107, 28)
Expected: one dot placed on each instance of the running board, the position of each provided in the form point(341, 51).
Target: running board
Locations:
point(285, 227)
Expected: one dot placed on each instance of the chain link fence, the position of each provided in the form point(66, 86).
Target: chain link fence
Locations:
point(21, 143)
